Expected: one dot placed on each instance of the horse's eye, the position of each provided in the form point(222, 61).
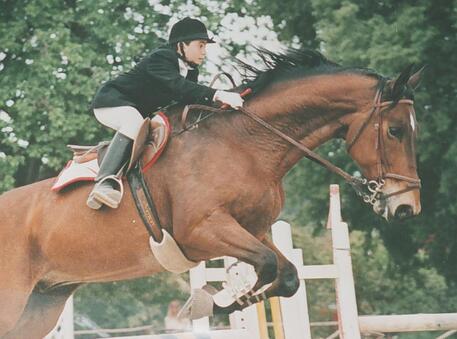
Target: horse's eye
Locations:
point(396, 132)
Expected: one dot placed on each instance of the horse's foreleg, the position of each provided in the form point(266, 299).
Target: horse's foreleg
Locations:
point(41, 313)
point(221, 235)
point(286, 282)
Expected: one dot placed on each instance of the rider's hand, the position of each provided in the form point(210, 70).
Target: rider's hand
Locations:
point(232, 99)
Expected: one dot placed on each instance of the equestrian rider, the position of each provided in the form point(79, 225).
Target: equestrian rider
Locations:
point(167, 74)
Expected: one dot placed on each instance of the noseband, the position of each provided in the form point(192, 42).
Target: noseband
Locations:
point(369, 190)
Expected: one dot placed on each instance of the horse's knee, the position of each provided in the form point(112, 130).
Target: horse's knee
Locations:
point(268, 267)
point(289, 282)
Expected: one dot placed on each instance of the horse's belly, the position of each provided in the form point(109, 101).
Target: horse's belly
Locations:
point(107, 273)
point(101, 261)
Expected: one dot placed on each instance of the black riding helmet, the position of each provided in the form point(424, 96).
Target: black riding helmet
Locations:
point(188, 29)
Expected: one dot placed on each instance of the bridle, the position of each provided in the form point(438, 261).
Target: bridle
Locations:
point(375, 186)
point(369, 190)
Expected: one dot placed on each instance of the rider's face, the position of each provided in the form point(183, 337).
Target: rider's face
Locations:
point(195, 51)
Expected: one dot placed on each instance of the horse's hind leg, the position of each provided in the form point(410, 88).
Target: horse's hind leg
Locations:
point(41, 313)
point(15, 287)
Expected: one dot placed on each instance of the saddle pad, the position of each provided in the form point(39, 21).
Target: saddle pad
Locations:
point(74, 172)
point(88, 170)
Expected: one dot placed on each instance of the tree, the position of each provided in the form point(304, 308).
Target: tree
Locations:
point(54, 55)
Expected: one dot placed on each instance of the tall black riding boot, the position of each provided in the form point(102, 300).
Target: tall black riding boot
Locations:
point(108, 187)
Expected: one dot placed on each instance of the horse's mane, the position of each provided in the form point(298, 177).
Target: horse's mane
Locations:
point(292, 64)
point(283, 66)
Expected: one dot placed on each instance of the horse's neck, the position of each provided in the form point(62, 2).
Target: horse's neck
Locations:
point(310, 110)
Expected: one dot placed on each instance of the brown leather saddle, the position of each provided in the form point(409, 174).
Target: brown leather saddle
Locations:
point(147, 146)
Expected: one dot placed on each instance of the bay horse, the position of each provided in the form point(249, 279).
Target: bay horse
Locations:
point(217, 188)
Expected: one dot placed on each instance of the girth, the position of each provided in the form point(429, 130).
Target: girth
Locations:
point(144, 203)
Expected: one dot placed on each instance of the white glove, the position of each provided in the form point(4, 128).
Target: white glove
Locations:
point(232, 99)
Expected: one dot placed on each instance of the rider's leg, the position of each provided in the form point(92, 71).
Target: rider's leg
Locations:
point(127, 121)
point(107, 189)
point(124, 119)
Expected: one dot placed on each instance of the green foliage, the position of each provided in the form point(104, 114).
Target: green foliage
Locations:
point(56, 54)
point(132, 303)
point(293, 18)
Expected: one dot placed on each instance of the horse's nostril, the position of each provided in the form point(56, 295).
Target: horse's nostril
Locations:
point(403, 212)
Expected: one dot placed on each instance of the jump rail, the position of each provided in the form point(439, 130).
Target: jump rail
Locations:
point(223, 334)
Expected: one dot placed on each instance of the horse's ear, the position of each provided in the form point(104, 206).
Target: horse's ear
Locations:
point(415, 79)
point(399, 84)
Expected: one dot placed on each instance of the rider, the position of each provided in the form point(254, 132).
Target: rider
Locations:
point(167, 74)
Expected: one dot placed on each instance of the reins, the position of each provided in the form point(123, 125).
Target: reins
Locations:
point(369, 190)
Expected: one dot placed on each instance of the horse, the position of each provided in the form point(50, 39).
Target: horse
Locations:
point(217, 188)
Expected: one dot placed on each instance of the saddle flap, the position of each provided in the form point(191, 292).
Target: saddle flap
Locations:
point(140, 143)
point(160, 132)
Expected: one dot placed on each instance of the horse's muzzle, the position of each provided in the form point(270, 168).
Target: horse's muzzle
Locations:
point(399, 207)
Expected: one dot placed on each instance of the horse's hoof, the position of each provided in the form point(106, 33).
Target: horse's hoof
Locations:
point(200, 304)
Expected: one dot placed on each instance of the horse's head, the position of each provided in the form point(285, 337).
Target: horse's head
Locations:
point(382, 142)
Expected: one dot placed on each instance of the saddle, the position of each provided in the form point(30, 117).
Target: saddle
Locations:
point(147, 147)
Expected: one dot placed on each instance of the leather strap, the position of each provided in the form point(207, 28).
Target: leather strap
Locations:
point(144, 203)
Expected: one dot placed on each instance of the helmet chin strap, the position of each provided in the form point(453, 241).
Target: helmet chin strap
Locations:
point(182, 55)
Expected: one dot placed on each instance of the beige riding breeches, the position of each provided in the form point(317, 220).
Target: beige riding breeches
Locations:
point(124, 119)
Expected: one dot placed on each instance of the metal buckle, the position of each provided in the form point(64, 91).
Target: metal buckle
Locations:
point(374, 186)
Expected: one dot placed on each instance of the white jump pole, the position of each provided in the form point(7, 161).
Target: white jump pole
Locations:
point(348, 322)
point(223, 334)
point(408, 322)
point(295, 315)
point(64, 328)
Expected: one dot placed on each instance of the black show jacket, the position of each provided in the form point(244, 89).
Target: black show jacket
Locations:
point(154, 82)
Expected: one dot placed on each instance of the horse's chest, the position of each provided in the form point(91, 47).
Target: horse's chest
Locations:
point(256, 210)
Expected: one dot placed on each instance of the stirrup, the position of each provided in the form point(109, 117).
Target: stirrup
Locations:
point(97, 199)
